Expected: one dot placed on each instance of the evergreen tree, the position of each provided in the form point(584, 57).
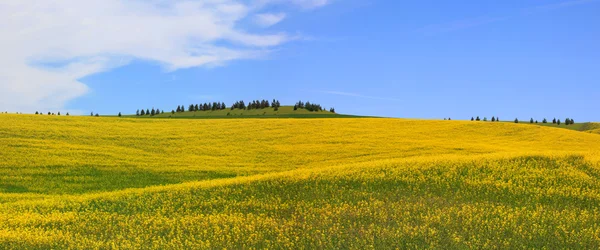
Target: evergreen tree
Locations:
point(67, 113)
point(485, 119)
point(137, 112)
point(147, 112)
point(97, 115)
point(223, 106)
point(493, 119)
point(477, 119)
point(531, 121)
point(58, 113)
point(472, 119)
point(295, 107)
point(152, 112)
point(173, 112)
point(143, 112)
point(567, 121)
point(497, 119)
point(37, 113)
point(516, 120)
point(536, 122)
point(554, 121)
point(544, 121)
point(91, 114)
point(119, 114)
point(332, 110)
point(558, 122)
point(572, 121)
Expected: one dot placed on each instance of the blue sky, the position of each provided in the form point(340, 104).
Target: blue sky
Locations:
point(418, 59)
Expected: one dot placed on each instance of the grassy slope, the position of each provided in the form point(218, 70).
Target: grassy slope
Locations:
point(319, 183)
point(283, 112)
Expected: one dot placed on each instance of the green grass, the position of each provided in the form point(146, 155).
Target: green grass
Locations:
point(283, 112)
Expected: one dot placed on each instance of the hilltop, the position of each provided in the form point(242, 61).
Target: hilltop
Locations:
point(282, 112)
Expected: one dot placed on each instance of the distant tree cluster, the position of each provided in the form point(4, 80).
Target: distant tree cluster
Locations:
point(567, 122)
point(238, 105)
point(150, 112)
point(256, 104)
point(312, 107)
point(49, 113)
point(485, 119)
point(200, 107)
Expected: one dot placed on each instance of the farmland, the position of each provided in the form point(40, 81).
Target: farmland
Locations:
point(364, 183)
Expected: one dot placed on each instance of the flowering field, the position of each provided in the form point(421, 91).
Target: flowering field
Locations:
point(86, 182)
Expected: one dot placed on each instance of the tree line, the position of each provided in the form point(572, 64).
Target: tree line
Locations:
point(494, 119)
point(214, 106)
point(312, 107)
point(200, 107)
point(49, 113)
point(150, 112)
point(256, 104)
point(567, 121)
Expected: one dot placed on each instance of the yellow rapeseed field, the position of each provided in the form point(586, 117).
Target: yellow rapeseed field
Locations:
point(359, 183)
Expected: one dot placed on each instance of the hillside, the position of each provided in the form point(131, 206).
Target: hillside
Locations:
point(590, 127)
point(283, 112)
point(101, 182)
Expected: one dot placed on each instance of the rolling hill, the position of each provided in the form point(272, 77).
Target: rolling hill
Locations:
point(105, 182)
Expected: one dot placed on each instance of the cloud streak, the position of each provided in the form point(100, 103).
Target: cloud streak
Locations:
point(269, 19)
point(48, 46)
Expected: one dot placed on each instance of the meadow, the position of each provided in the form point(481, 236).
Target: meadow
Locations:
point(360, 183)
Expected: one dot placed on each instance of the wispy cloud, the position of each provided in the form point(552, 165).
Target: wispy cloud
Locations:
point(359, 95)
point(269, 19)
point(457, 25)
point(80, 38)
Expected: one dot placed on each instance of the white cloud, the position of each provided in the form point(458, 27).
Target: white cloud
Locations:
point(269, 19)
point(47, 46)
point(306, 4)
